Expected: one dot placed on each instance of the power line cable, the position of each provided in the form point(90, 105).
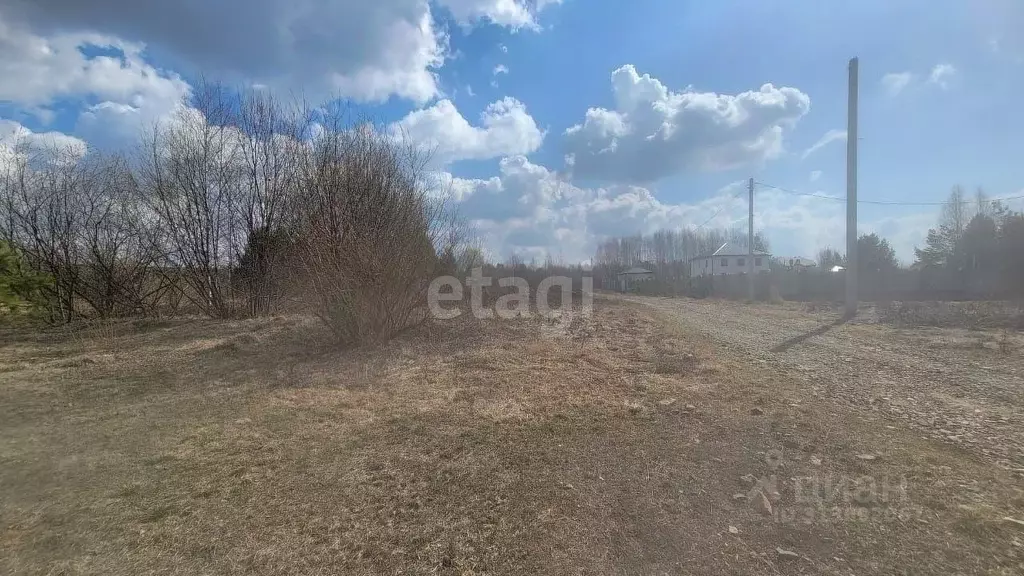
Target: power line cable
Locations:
point(881, 202)
point(720, 210)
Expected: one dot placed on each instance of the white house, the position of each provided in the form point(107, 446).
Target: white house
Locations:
point(629, 278)
point(728, 259)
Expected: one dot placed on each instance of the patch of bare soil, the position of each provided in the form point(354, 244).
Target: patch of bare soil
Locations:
point(623, 443)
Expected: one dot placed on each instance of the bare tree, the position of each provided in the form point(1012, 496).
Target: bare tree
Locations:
point(953, 219)
point(190, 176)
point(76, 219)
point(118, 242)
point(956, 214)
point(270, 152)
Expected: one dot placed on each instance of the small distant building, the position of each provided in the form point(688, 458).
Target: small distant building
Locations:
point(630, 278)
point(728, 259)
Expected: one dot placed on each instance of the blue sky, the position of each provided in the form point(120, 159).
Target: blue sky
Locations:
point(687, 99)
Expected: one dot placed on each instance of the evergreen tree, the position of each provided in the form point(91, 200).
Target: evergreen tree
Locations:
point(21, 288)
point(874, 254)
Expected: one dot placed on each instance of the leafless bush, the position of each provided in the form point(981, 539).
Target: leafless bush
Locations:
point(40, 195)
point(1004, 343)
point(76, 218)
point(368, 234)
point(223, 181)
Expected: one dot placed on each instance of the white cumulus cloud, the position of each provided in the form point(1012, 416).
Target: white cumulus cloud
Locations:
point(654, 132)
point(18, 143)
point(533, 211)
point(363, 50)
point(512, 13)
point(37, 71)
point(14, 135)
point(506, 128)
point(97, 55)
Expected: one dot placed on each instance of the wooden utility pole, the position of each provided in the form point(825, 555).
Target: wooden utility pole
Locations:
point(851, 193)
point(750, 240)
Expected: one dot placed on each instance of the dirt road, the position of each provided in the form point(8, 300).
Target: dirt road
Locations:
point(960, 387)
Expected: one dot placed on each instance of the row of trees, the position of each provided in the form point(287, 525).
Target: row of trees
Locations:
point(977, 250)
point(977, 246)
point(237, 206)
point(666, 253)
point(669, 246)
point(874, 255)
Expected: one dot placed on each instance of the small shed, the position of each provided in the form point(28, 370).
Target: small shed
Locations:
point(629, 278)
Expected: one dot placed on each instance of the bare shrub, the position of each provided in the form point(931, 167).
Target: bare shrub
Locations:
point(40, 195)
point(1004, 343)
point(76, 219)
point(223, 181)
point(368, 233)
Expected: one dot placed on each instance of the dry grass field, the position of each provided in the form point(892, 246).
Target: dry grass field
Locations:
point(629, 443)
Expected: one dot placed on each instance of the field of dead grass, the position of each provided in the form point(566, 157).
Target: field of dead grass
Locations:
point(623, 444)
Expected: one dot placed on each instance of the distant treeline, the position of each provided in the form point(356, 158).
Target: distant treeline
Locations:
point(975, 252)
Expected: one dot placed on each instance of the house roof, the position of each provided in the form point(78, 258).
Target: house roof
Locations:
point(635, 270)
point(730, 249)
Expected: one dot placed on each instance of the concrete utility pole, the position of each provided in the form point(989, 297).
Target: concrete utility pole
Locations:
point(851, 194)
point(750, 239)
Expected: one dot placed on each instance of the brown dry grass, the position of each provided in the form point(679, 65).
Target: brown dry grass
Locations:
point(613, 446)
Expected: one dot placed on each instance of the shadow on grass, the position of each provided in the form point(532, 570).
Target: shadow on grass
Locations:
point(816, 332)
